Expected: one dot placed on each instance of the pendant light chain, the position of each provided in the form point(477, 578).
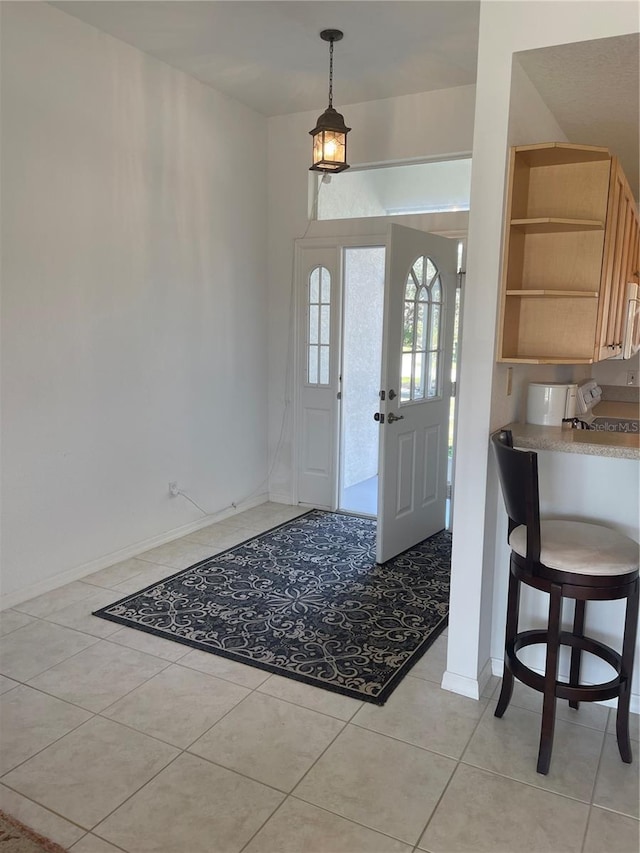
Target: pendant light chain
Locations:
point(331, 73)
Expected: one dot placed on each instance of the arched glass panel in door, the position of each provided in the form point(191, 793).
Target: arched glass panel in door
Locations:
point(318, 326)
point(422, 338)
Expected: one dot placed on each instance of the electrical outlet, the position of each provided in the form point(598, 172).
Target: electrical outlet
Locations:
point(174, 491)
point(632, 378)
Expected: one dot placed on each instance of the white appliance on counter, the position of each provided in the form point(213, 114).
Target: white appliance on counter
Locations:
point(551, 403)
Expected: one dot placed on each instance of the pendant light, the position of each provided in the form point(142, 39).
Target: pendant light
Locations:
point(330, 133)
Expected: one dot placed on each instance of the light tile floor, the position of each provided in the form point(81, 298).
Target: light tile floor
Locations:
point(114, 740)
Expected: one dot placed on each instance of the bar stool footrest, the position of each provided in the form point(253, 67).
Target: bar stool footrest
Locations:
point(574, 693)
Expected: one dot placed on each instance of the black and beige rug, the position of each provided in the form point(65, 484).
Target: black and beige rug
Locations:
point(306, 600)
point(15, 837)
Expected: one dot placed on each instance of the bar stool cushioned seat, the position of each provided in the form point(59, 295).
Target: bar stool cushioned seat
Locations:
point(567, 559)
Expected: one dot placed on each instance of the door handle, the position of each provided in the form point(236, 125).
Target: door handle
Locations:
point(391, 418)
point(379, 417)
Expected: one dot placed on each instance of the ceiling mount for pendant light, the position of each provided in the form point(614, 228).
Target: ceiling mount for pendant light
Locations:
point(330, 133)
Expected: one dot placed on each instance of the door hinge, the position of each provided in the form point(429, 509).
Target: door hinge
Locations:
point(449, 490)
point(454, 389)
point(460, 279)
point(382, 395)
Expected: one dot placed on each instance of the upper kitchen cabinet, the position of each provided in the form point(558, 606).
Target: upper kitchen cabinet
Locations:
point(570, 243)
point(620, 265)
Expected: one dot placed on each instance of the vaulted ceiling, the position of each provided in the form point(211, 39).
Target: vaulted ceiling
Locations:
point(268, 55)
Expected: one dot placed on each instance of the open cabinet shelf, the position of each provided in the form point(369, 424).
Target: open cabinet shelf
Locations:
point(543, 224)
point(532, 294)
point(561, 154)
point(564, 255)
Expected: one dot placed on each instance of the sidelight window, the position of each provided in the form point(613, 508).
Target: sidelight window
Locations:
point(318, 326)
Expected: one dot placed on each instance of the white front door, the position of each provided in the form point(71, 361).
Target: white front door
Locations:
point(420, 288)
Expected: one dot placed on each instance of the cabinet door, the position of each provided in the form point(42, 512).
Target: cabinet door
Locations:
point(618, 265)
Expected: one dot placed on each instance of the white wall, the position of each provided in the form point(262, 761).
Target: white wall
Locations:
point(362, 198)
point(133, 299)
point(394, 129)
point(614, 371)
point(504, 29)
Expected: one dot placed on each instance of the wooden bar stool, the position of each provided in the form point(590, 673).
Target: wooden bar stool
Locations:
point(567, 559)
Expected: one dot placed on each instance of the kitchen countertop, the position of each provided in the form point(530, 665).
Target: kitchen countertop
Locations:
point(617, 445)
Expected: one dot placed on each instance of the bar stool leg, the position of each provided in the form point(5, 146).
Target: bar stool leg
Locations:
point(513, 607)
point(550, 679)
point(576, 654)
point(624, 697)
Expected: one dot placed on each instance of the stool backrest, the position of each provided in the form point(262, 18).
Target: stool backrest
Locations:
point(518, 474)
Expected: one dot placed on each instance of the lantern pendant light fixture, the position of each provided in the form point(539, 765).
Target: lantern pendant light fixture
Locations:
point(330, 133)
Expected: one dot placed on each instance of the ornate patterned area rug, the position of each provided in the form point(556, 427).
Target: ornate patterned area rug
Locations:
point(15, 837)
point(306, 600)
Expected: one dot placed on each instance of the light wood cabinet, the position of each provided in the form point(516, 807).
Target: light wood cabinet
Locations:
point(620, 263)
point(568, 245)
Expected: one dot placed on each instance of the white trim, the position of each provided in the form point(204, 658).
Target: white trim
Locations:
point(281, 498)
point(412, 161)
point(344, 238)
point(465, 686)
point(79, 572)
point(497, 666)
point(340, 234)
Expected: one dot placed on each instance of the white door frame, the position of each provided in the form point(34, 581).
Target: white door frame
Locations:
point(350, 233)
point(339, 243)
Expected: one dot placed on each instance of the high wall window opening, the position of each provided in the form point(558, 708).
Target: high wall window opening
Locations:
point(438, 186)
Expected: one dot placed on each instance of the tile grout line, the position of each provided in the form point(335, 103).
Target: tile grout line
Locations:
point(453, 772)
point(91, 710)
point(185, 750)
point(521, 781)
point(47, 809)
point(287, 794)
point(181, 752)
point(292, 795)
point(595, 782)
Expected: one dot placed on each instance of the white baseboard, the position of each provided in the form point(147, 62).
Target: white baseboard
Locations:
point(466, 686)
point(280, 498)
point(79, 572)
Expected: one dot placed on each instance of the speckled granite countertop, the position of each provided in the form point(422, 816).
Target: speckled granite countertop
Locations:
point(616, 445)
